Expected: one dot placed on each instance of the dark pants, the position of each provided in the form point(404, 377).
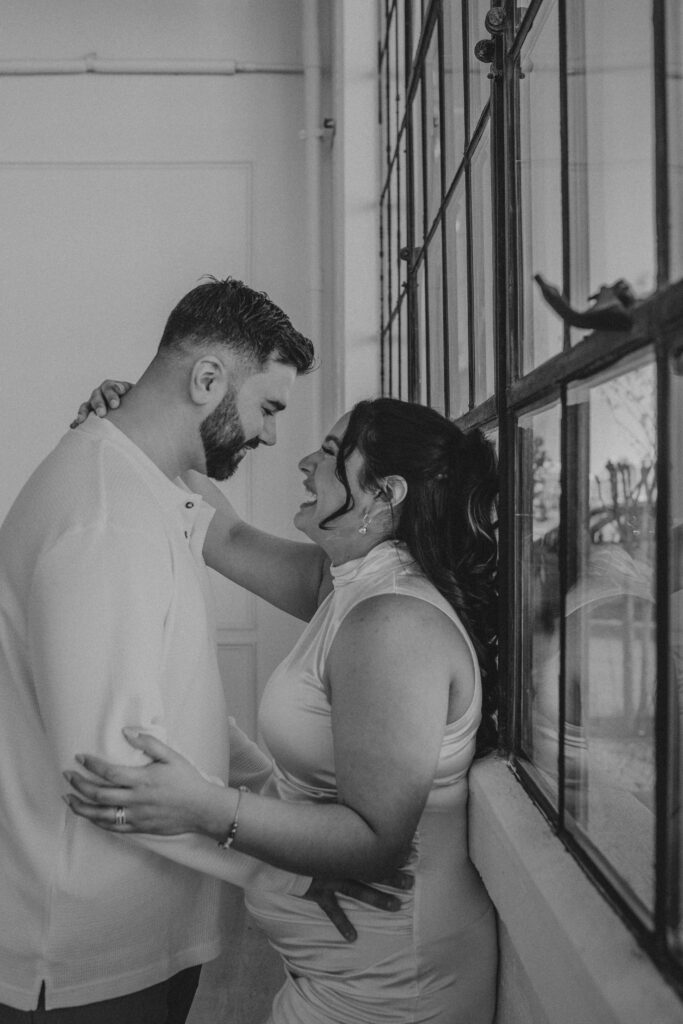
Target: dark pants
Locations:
point(166, 1003)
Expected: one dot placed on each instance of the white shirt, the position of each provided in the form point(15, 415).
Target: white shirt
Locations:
point(105, 621)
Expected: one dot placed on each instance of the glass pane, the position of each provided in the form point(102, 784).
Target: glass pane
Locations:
point(403, 391)
point(540, 190)
point(393, 368)
point(400, 62)
point(418, 193)
point(676, 608)
point(432, 130)
point(611, 171)
point(610, 620)
point(417, 22)
point(482, 270)
point(674, 60)
point(397, 265)
point(402, 203)
point(386, 262)
point(454, 89)
point(458, 327)
point(393, 86)
point(384, 116)
point(437, 383)
point(539, 597)
point(421, 339)
point(480, 85)
point(389, 246)
point(384, 364)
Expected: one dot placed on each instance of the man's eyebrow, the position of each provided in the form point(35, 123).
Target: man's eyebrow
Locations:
point(276, 405)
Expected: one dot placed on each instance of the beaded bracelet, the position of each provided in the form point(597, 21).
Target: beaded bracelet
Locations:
point(232, 831)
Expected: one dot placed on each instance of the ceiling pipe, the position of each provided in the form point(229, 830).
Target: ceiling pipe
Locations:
point(92, 64)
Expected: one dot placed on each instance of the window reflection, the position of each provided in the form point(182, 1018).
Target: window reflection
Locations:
point(610, 621)
point(540, 188)
point(676, 607)
point(539, 580)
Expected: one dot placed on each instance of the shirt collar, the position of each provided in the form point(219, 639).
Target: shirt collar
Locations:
point(173, 495)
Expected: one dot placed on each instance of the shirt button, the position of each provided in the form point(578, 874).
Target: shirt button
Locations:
point(189, 504)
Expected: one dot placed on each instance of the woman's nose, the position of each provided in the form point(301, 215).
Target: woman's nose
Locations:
point(307, 464)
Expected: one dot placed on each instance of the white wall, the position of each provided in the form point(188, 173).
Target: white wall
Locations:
point(117, 193)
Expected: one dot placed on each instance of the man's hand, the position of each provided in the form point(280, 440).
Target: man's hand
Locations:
point(324, 892)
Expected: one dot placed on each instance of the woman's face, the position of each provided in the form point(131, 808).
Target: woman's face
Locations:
point(325, 493)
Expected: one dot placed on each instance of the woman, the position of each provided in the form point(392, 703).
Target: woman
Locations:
point(372, 721)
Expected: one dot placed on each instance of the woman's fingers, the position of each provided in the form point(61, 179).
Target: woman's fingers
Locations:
point(114, 774)
point(105, 397)
point(104, 796)
point(103, 817)
point(81, 415)
point(149, 745)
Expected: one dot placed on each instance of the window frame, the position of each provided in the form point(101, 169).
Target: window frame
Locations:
point(658, 324)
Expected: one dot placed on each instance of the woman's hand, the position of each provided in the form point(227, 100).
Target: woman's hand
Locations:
point(166, 797)
point(105, 397)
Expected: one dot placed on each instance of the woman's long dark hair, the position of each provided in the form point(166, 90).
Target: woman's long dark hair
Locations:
point(446, 519)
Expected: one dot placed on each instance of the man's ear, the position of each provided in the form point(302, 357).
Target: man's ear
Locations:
point(208, 380)
point(394, 490)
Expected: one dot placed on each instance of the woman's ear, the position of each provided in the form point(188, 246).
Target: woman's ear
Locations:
point(393, 489)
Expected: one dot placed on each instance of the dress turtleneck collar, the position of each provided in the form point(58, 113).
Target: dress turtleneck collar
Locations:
point(383, 556)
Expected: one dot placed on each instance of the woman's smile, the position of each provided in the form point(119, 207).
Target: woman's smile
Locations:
point(311, 497)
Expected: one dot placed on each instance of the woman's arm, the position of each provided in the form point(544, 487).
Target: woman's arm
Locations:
point(390, 672)
point(292, 576)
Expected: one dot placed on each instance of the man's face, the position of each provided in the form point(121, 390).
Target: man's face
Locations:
point(245, 418)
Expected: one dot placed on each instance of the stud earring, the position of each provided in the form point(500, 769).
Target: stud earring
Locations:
point(364, 527)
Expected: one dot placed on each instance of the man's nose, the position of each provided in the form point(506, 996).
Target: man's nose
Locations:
point(268, 434)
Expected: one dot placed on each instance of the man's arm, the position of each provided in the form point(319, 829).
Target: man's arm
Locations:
point(98, 602)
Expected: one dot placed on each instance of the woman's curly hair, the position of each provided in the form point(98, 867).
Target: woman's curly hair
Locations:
point(447, 519)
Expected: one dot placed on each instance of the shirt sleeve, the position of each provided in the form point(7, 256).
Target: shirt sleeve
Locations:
point(96, 613)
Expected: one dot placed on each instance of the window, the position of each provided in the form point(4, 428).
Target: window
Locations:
point(554, 156)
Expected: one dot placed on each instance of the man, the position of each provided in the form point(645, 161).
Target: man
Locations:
point(105, 622)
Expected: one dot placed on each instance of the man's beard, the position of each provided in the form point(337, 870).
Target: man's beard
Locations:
point(223, 438)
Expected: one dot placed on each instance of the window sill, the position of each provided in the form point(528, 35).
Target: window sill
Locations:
point(579, 963)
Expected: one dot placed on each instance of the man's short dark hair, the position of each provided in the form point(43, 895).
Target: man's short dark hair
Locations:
point(231, 313)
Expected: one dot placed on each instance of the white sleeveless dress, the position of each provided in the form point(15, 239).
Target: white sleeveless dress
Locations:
point(433, 961)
